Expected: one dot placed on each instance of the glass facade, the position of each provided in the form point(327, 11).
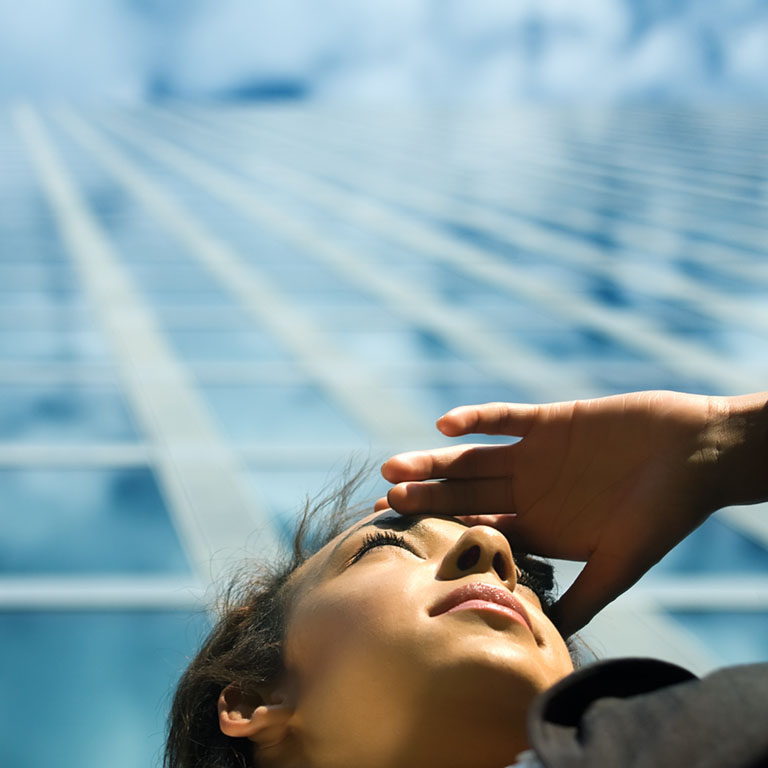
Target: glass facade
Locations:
point(204, 313)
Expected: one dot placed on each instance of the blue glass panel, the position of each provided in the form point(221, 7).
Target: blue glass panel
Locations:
point(302, 292)
point(105, 678)
point(714, 547)
point(576, 343)
point(22, 241)
point(616, 376)
point(185, 277)
point(61, 346)
point(721, 280)
point(54, 286)
point(309, 300)
point(210, 297)
point(282, 415)
point(285, 491)
point(48, 278)
point(67, 304)
point(142, 241)
point(35, 313)
point(734, 344)
point(675, 316)
point(735, 637)
point(62, 302)
point(304, 275)
point(505, 312)
point(63, 413)
point(480, 238)
point(432, 401)
point(343, 315)
point(382, 348)
point(180, 316)
point(251, 345)
point(85, 521)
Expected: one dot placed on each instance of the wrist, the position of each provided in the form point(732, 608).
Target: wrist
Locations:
point(740, 429)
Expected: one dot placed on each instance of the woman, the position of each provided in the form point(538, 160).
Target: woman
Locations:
point(423, 640)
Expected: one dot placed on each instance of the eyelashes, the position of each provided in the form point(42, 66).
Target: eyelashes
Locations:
point(381, 539)
point(525, 577)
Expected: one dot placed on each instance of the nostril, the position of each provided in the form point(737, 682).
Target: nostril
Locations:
point(469, 557)
point(500, 566)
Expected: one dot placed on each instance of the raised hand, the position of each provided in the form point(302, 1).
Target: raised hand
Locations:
point(615, 482)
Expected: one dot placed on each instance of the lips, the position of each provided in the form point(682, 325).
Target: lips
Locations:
point(484, 593)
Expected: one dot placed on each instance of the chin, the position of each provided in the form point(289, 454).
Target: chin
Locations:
point(497, 653)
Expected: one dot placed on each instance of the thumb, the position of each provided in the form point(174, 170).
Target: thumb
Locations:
point(603, 578)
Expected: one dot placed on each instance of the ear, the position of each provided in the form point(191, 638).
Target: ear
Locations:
point(262, 719)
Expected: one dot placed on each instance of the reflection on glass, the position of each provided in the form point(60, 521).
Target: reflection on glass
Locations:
point(63, 414)
point(714, 547)
point(55, 346)
point(235, 345)
point(282, 415)
point(736, 637)
point(104, 678)
point(86, 521)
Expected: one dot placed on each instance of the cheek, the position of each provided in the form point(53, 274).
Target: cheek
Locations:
point(556, 659)
point(361, 617)
point(348, 651)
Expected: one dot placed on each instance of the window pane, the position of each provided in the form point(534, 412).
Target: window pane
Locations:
point(281, 415)
point(382, 348)
point(432, 401)
point(63, 413)
point(714, 547)
point(58, 346)
point(252, 345)
point(105, 680)
point(735, 637)
point(84, 521)
point(285, 492)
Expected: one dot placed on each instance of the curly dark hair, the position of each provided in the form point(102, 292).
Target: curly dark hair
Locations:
point(245, 645)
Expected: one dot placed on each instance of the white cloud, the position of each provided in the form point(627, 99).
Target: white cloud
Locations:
point(748, 59)
point(386, 51)
point(81, 49)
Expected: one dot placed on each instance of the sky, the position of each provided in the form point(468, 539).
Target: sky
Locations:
point(385, 52)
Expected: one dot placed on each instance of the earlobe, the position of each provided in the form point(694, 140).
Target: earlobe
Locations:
point(248, 716)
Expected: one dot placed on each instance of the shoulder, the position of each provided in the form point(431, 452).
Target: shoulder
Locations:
point(638, 712)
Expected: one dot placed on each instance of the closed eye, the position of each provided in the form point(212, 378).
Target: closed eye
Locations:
point(381, 539)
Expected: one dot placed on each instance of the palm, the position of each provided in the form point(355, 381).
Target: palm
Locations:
point(601, 472)
point(615, 482)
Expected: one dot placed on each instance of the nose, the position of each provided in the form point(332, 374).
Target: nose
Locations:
point(480, 549)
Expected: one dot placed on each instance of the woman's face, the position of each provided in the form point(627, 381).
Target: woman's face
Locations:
point(387, 676)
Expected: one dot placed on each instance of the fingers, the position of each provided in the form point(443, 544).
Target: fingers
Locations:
point(487, 496)
point(456, 461)
point(513, 419)
point(601, 581)
point(507, 524)
point(381, 504)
